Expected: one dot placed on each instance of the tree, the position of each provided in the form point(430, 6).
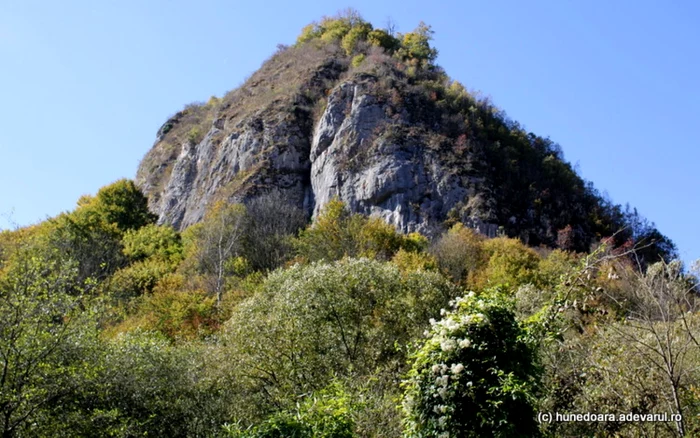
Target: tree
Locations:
point(338, 233)
point(459, 253)
point(160, 242)
point(310, 323)
point(662, 326)
point(271, 224)
point(216, 241)
point(45, 339)
point(416, 45)
point(475, 375)
point(123, 204)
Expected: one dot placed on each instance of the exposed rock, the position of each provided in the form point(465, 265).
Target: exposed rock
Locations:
point(386, 146)
point(350, 159)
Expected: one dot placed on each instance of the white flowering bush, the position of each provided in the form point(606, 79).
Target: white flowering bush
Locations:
point(474, 376)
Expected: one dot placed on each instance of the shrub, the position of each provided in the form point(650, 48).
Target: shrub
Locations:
point(357, 60)
point(509, 262)
point(323, 414)
point(354, 36)
point(310, 323)
point(409, 261)
point(475, 375)
point(194, 135)
point(136, 279)
point(123, 204)
point(337, 233)
point(416, 45)
point(153, 241)
point(381, 38)
point(174, 312)
point(459, 253)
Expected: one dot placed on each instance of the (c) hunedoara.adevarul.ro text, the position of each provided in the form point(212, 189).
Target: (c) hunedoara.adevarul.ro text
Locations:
point(549, 417)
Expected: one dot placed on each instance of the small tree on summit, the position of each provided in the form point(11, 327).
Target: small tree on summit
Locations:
point(416, 45)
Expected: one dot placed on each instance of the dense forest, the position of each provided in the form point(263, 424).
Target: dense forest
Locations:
point(259, 321)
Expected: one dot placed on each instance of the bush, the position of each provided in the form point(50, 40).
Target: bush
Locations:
point(357, 60)
point(123, 204)
point(409, 261)
point(509, 262)
point(136, 279)
point(173, 311)
point(337, 233)
point(323, 414)
point(459, 253)
point(474, 376)
point(194, 135)
point(310, 323)
point(153, 241)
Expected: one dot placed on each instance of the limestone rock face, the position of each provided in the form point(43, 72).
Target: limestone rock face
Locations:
point(227, 164)
point(353, 160)
point(347, 154)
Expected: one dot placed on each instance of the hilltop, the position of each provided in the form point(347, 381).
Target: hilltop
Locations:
point(366, 116)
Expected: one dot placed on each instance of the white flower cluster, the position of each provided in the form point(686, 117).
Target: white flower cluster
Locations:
point(448, 338)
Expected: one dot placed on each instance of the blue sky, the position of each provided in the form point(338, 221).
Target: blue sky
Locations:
point(85, 85)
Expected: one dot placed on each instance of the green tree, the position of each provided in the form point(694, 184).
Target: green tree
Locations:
point(476, 375)
point(416, 45)
point(215, 242)
point(123, 204)
point(153, 241)
point(309, 323)
point(337, 233)
point(45, 339)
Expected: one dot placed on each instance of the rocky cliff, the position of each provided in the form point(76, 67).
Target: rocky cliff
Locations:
point(386, 132)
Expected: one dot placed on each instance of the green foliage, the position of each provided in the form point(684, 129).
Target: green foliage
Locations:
point(509, 262)
point(349, 29)
point(354, 36)
point(323, 414)
point(45, 339)
point(337, 233)
point(474, 376)
point(310, 323)
point(194, 135)
point(153, 241)
point(411, 261)
point(86, 238)
point(308, 33)
point(123, 204)
point(381, 38)
point(173, 311)
point(136, 279)
point(211, 244)
point(415, 46)
point(144, 386)
point(357, 60)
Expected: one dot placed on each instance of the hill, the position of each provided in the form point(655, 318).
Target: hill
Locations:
point(365, 116)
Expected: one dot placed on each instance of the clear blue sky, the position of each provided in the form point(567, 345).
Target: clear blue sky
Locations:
point(84, 85)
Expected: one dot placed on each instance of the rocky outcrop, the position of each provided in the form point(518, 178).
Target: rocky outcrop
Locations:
point(352, 159)
point(347, 155)
point(232, 168)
